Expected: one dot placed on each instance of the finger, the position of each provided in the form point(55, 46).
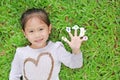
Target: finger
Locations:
point(75, 33)
point(85, 38)
point(70, 34)
point(75, 27)
point(66, 40)
point(82, 32)
point(68, 29)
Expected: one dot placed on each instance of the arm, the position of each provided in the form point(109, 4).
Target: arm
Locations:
point(68, 59)
point(15, 72)
point(75, 60)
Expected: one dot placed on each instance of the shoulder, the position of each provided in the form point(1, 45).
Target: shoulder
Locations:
point(20, 49)
point(57, 44)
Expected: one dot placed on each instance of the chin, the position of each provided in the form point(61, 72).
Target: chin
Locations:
point(41, 45)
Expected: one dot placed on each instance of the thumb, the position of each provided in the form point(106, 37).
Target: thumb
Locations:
point(66, 40)
point(85, 38)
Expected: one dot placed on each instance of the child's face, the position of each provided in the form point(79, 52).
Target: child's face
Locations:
point(37, 32)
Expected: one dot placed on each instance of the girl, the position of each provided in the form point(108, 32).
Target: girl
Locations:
point(41, 60)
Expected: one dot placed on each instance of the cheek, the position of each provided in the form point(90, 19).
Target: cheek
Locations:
point(25, 35)
point(29, 37)
point(46, 32)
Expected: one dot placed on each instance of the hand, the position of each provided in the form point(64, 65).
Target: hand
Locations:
point(76, 40)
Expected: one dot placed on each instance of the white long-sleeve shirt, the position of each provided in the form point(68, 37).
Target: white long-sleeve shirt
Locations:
point(43, 63)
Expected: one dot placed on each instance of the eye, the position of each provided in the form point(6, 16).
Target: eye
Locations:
point(31, 31)
point(41, 29)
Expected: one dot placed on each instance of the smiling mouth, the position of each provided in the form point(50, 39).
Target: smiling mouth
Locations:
point(39, 40)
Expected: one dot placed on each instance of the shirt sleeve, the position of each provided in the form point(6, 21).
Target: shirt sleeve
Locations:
point(15, 72)
point(69, 59)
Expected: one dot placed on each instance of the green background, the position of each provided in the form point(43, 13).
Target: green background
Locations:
point(101, 18)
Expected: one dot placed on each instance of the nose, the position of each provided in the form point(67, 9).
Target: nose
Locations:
point(37, 34)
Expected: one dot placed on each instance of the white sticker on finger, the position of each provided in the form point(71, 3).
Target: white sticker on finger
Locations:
point(68, 29)
point(64, 38)
point(75, 27)
point(85, 38)
point(82, 32)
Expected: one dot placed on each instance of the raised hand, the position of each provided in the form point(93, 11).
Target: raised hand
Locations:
point(76, 40)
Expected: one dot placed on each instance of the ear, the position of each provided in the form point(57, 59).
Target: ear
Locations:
point(24, 33)
point(50, 28)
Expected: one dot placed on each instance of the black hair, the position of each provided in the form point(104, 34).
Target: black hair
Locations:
point(40, 13)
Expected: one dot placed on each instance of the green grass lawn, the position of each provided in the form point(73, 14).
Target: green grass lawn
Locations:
point(101, 18)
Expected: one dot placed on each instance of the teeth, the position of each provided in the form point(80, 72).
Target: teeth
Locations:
point(82, 32)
